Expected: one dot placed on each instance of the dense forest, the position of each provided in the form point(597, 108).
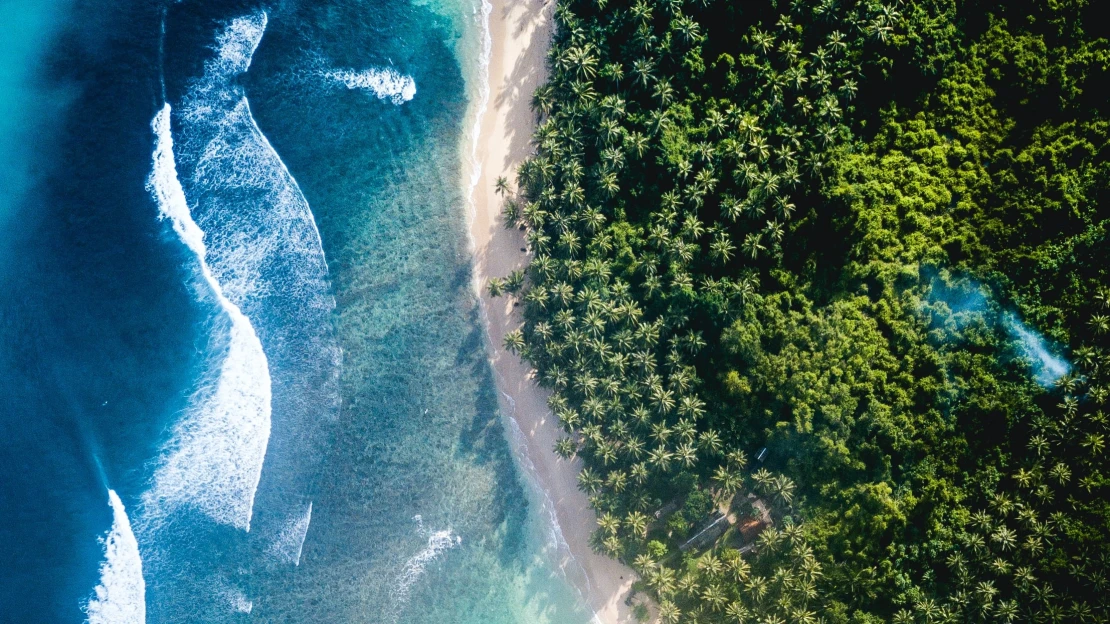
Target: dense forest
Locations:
point(836, 270)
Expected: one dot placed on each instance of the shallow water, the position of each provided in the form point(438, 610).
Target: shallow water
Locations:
point(240, 298)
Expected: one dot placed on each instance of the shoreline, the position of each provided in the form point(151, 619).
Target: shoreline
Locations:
point(514, 65)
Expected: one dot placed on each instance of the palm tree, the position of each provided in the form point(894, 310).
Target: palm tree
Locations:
point(783, 489)
point(728, 481)
point(589, 481)
point(663, 92)
point(637, 523)
point(757, 588)
point(715, 597)
point(688, 28)
point(514, 341)
point(691, 406)
point(762, 40)
point(583, 61)
point(710, 442)
point(738, 613)
point(613, 71)
point(663, 398)
point(686, 454)
point(762, 478)
point(515, 281)
point(642, 11)
point(609, 523)
point(661, 458)
point(501, 186)
point(737, 567)
point(752, 245)
point(565, 448)
point(1100, 324)
point(669, 613)
point(643, 70)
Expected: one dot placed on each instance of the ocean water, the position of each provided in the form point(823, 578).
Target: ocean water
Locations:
point(243, 373)
point(25, 100)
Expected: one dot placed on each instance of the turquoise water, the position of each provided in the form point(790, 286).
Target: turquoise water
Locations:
point(240, 301)
point(25, 103)
point(421, 435)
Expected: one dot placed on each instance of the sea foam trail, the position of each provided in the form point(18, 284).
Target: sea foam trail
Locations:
point(484, 56)
point(438, 541)
point(290, 541)
point(238, 601)
point(121, 595)
point(383, 83)
point(264, 251)
point(214, 460)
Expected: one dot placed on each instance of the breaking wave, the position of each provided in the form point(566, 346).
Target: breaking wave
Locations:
point(121, 595)
point(237, 207)
point(290, 541)
point(383, 83)
point(214, 459)
point(438, 542)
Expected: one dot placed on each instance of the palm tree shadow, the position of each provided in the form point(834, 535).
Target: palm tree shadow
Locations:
point(528, 72)
point(484, 442)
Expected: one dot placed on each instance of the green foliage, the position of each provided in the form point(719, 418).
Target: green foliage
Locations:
point(810, 226)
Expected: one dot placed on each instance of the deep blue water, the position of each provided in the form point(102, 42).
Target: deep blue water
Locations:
point(236, 294)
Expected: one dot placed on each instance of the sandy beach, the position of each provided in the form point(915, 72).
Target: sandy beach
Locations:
point(520, 32)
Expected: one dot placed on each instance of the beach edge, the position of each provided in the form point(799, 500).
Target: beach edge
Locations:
point(519, 37)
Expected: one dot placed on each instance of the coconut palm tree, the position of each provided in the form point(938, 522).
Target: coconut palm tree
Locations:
point(565, 448)
point(669, 613)
point(643, 70)
point(727, 481)
point(660, 458)
point(637, 523)
point(514, 341)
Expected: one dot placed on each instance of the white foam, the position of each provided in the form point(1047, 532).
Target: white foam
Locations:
point(580, 581)
point(289, 543)
point(214, 459)
point(240, 603)
point(233, 155)
point(483, 103)
point(236, 599)
point(121, 595)
point(383, 83)
point(261, 258)
point(235, 47)
point(438, 542)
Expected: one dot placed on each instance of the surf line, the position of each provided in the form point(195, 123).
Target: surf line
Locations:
point(438, 542)
point(290, 541)
point(120, 598)
point(215, 456)
point(385, 84)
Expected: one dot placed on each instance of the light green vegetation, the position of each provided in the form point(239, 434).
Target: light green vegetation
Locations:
point(822, 227)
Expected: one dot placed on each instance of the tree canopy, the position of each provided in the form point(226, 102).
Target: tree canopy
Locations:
point(867, 237)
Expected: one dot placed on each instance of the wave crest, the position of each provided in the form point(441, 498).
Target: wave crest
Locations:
point(289, 543)
point(383, 83)
point(261, 257)
point(121, 595)
point(214, 458)
point(438, 542)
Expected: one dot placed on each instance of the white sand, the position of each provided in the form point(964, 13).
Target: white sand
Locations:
point(520, 32)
